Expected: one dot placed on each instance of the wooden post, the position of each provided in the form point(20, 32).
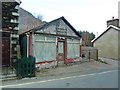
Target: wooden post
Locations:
point(97, 54)
point(80, 51)
point(89, 55)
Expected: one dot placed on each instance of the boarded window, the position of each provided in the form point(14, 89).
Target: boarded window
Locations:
point(60, 47)
point(73, 49)
point(44, 50)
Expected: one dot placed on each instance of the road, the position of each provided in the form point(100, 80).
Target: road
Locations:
point(105, 78)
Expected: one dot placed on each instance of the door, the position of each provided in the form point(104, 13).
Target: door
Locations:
point(61, 51)
point(5, 51)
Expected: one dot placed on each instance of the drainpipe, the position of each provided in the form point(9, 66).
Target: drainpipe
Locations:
point(56, 50)
point(81, 47)
point(30, 44)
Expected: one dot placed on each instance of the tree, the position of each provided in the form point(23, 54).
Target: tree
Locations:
point(92, 36)
point(87, 37)
point(38, 16)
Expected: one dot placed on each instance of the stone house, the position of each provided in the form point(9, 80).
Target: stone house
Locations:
point(9, 31)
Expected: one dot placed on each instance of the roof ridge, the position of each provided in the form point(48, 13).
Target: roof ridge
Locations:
point(117, 28)
point(113, 27)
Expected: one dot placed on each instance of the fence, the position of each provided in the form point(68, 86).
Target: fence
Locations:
point(90, 52)
point(26, 67)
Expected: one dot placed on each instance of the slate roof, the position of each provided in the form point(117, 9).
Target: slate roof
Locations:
point(41, 26)
point(27, 20)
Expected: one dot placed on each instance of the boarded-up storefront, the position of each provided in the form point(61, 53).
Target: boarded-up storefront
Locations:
point(52, 43)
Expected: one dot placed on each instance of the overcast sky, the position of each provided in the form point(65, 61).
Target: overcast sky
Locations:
point(88, 15)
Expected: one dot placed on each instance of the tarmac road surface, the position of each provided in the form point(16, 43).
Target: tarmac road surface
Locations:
point(106, 78)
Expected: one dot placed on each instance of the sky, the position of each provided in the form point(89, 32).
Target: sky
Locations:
point(83, 15)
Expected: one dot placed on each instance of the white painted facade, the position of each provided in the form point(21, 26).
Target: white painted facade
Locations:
point(107, 44)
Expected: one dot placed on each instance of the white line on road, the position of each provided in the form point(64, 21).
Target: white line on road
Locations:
point(23, 84)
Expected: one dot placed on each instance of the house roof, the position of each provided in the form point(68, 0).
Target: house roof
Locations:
point(30, 30)
point(107, 29)
point(39, 27)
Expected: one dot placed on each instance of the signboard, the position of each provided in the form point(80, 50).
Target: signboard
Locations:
point(61, 31)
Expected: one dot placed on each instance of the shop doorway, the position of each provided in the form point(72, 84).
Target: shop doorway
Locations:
point(61, 50)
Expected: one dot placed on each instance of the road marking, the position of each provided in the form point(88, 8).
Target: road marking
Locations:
point(58, 79)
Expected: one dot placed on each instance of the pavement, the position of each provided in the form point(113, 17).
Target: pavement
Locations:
point(81, 66)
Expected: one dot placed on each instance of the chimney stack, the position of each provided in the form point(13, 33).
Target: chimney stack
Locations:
point(114, 22)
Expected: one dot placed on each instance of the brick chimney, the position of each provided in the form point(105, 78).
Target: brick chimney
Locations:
point(114, 22)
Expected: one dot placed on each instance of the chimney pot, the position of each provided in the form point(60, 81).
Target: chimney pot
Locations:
point(113, 17)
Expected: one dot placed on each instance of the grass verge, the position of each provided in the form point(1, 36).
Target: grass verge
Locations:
point(99, 60)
